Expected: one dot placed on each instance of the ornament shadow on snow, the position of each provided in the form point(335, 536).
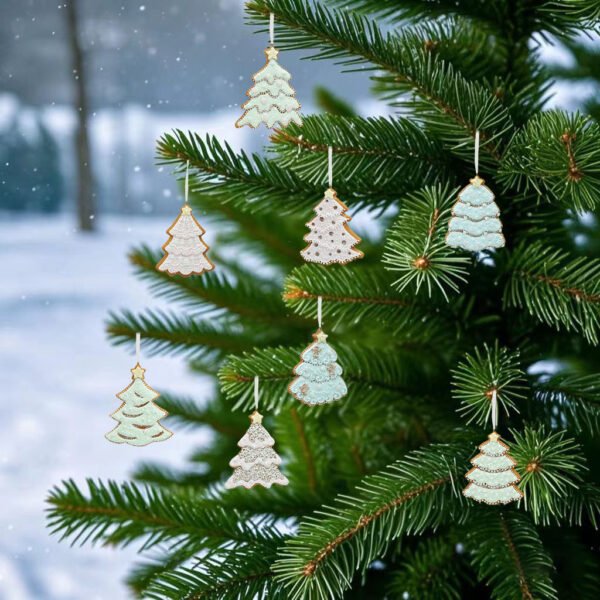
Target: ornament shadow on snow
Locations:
point(475, 224)
point(138, 416)
point(493, 478)
point(256, 463)
point(272, 98)
point(185, 251)
point(330, 239)
point(318, 375)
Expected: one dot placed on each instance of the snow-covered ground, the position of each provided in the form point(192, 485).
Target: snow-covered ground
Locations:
point(59, 376)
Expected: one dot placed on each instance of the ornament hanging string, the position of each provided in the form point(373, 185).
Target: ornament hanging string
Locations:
point(272, 29)
point(319, 310)
point(138, 347)
point(256, 394)
point(477, 152)
point(330, 165)
point(494, 409)
point(187, 181)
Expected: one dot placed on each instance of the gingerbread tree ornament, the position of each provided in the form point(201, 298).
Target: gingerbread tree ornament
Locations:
point(330, 239)
point(272, 98)
point(185, 252)
point(493, 478)
point(318, 375)
point(256, 463)
point(138, 416)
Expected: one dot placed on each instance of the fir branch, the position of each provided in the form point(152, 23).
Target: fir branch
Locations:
point(572, 400)
point(233, 574)
point(508, 554)
point(378, 152)
point(119, 514)
point(187, 412)
point(364, 294)
point(448, 102)
point(254, 184)
point(577, 565)
point(479, 374)
point(556, 155)
point(216, 294)
point(556, 288)
point(557, 17)
point(199, 339)
point(371, 373)
point(416, 248)
point(412, 495)
point(549, 464)
point(435, 570)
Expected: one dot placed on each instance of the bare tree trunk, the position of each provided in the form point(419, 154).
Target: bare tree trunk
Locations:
point(85, 178)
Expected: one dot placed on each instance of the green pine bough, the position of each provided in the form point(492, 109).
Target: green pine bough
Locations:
point(425, 334)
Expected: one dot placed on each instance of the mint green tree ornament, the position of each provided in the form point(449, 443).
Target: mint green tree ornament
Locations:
point(138, 416)
point(493, 478)
point(272, 98)
point(318, 375)
point(475, 224)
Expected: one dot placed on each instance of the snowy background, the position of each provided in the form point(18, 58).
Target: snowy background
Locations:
point(151, 69)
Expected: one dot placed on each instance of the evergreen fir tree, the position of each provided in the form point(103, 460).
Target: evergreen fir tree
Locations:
point(374, 507)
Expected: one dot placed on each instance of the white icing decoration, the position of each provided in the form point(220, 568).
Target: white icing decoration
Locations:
point(493, 479)
point(185, 252)
point(330, 238)
point(257, 463)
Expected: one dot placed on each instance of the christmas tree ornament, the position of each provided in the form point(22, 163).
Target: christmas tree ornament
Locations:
point(272, 98)
point(330, 239)
point(185, 251)
point(493, 479)
point(318, 375)
point(256, 463)
point(475, 224)
point(138, 416)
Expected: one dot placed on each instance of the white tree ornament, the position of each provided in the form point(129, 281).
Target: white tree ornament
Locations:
point(185, 251)
point(272, 98)
point(493, 478)
point(256, 463)
point(330, 239)
point(138, 417)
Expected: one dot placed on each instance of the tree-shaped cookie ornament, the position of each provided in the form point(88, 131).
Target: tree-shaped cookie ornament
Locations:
point(318, 375)
point(272, 98)
point(185, 251)
point(138, 416)
point(330, 240)
point(475, 224)
point(493, 478)
point(256, 463)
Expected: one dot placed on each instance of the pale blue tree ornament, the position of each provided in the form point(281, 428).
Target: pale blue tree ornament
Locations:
point(318, 375)
point(475, 224)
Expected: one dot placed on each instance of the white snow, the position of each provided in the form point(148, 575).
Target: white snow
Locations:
point(59, 379)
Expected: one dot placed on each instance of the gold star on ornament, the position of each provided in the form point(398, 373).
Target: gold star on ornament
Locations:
point(256, 417)
point(138, 372)
point(330, 194)
point(477, 180)
point(271, 53)
point(186, 209)
point(493, 437)
point(320, 336)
